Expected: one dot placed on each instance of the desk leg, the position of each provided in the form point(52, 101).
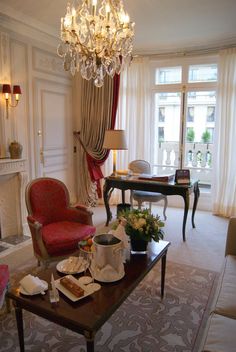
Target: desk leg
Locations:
point(163, 273)
point(20, 327)
point(186, 207)
point(107, 191)
point(196, 196)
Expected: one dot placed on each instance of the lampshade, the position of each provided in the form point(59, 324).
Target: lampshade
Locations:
point(115, 139)
point(16, 90)
point(6, 88)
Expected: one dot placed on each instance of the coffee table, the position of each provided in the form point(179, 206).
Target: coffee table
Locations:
point(88, 315)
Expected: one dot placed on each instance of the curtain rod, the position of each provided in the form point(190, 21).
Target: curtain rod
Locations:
point(200, 51)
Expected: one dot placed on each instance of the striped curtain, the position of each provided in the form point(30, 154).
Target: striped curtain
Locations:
point(95, 112)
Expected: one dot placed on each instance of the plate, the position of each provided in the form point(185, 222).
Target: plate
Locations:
point(70, 295)
point(36, 293)
point(61, 264)
point(85, 280)
point(94, 286)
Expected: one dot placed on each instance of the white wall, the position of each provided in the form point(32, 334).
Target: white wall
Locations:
point(42, 121)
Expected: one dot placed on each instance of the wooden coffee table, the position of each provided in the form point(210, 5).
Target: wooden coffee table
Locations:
point(88, 315)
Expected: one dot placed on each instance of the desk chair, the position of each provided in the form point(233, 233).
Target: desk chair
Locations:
point(143, 167)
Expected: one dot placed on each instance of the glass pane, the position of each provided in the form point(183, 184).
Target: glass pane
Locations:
point(168, 75)
point(202, 73)
point(167, 129)
point(199, 135)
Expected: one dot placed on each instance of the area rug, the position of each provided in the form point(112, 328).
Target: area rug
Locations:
point(143, 323)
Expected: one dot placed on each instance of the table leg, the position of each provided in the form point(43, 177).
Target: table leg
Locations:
point(163, 273)
point(20, 327)
point(89, 340)
point(186, 207)
point(90, 345)
point(196, 196)
point(106, 196)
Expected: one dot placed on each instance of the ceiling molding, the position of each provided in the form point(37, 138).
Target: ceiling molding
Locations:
point(17, 22)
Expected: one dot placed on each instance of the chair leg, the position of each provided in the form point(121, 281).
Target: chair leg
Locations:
point(131, 200)
point(165, 206)
point(139, 205)
point(8, 304)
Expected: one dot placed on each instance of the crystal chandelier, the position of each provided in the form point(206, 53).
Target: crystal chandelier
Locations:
point(97, 39)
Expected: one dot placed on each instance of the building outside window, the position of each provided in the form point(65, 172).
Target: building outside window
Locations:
point(190, 114)
point(161, 134)
point(210, 113)
point(161, 114)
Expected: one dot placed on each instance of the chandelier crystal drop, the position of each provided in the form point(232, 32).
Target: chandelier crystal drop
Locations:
point(96, 39)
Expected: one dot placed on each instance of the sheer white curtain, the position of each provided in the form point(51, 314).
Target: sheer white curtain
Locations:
point(133, 116)
point(224, 187)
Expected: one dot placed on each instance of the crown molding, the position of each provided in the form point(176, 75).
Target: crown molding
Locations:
point(17, 22)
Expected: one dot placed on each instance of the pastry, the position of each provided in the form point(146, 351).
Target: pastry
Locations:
point(72, 286)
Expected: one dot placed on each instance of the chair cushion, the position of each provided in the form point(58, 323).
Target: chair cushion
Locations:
point(4, 277)
point(221, 335)
point(143, 195)
point(227, 289)
point(62, 237)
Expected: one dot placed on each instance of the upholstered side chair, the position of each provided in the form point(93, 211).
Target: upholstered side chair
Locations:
point(56, 227)
point(143, 167)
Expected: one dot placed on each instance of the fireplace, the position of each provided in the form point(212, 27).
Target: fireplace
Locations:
point(13, 180)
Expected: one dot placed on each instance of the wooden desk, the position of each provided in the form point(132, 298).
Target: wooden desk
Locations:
point(152, 186)
point(88, 315)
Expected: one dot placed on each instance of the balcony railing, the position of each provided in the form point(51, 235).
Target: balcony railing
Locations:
point(197, 158)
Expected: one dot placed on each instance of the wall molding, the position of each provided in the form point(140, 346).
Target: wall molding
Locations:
point(46, 62)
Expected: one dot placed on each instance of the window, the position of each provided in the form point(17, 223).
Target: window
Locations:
point(202, 73)
point(161, 134)
point(190, 114)
point(184, 100)
point(210, 113)
point(167, 75)
point(162, 114)
point(210, 130)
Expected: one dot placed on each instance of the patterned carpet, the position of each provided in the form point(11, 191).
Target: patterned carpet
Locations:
point(143, 323)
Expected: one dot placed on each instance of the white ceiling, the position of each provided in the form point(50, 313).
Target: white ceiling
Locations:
point(161, 25)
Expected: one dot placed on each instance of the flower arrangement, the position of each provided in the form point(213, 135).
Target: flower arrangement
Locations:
point(142, 225)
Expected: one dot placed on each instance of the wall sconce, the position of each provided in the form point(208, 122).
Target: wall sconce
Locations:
point(6, 90)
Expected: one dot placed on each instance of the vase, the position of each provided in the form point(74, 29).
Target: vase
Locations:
point(138, 246)
point(15, 150)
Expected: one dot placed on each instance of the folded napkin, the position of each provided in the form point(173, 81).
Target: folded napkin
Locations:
point(32, 284)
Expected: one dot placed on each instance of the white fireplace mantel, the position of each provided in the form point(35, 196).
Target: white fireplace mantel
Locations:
point(13, 180)
point(12, 166)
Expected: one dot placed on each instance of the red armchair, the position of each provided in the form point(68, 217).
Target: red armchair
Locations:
point(56, 228)
point(4, 283)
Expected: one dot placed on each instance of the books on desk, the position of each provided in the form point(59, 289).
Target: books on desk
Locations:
point(158, 178)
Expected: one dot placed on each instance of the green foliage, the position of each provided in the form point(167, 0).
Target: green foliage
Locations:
point(141, 224)
point(206, 137)
point(190, 135)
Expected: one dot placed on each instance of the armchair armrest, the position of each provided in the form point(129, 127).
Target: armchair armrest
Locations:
point(34, 222)
point(78, 213)
point(230, 247)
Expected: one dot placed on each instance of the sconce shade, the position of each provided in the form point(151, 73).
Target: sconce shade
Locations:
point(115, 139)
point(16, 90)
point(6, 88)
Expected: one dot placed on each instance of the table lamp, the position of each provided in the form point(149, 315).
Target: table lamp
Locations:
point(114, 140)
